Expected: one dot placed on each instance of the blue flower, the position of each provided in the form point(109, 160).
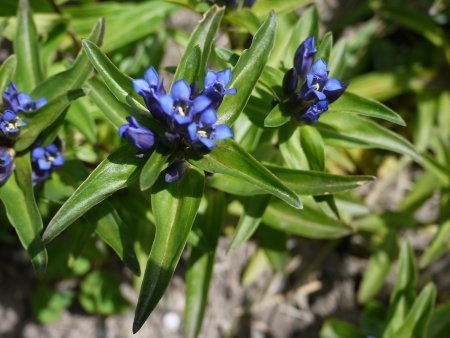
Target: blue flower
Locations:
point(151, 89)
point(180, 108)
point(6, 164)
point(202, 134)
point(44, 161)
point(290, 81)
point(141, 137)
point(174, 171)
point(20, 102)
point(313, 112)
point(248, 3)
point(10, 124)
point(304, 56)
point(215, 84)
point(319, 86)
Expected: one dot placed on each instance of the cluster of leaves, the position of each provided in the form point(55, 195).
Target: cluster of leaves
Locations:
point(277, 178)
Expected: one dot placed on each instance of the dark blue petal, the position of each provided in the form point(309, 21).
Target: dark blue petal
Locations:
point(208, 143)
point(320, 69)
point(304, 56)
point(222, 131)
point(141, 86)
point(181, 91)
point(151, 76)
point(333, 89)
point(290, 82)
point(175, 171)
point(208, 117)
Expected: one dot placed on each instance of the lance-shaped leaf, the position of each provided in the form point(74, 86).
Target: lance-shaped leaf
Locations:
point(302, 182)
point(7, 70)
point(416, 322)
point(404, 293)
point(324, 49)
point(277, 117)
point(202, 38)
point(152, 168)
point(174, 206)
point(230, 159)
point(113, 231)
point(310, 222)
point(200, 265)
point(347, 130)
point(250, 219)
point(247, 71)
point(352, 103)
point(23, 213)
point(42, 118)
point(290, 147)
point(29, 72)
point(76, 75)
point(189, 67)
point(117, 171)
point(120, 84)
point(262, 7)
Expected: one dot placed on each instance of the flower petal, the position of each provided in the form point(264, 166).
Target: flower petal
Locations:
point(181, 91)
point(141, 86)
point(208, 117)
point(199, 104)
point(222, 132)
point(151, 76)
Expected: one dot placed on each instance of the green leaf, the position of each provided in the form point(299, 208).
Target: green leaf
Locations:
point(249, 221)
point(100, 294)
point(202, 37)
point(152, 168)
point(115, 111)
point(247, 71)
point(273, 242)
point(302, 182)
point(439, 324)
point(200, 265)
point(174, 206)
point(324, 49)
point(416, 323)
point(7, 70)
point(189, 69)
point(309, 222)
point(338, 59)
point(29, 72)
point(118, 83)
point(291, 148)
point(230, 159)
point(352, 103)
point(378, 268)
point(42, 118)
point(404, 293)
point(244, 18)
point(117, 171)
point(313, 147)
point(22, 211)
point(113, 231)
point(346, 130)
point(48, 305)
point(76, 75)
point(262, 7)
point(334, 328)
point(276, 117)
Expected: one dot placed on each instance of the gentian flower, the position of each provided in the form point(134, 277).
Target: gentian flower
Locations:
point(304, 56)
point(248, 3)
point(44, 161)
point(202, 134)
point(10, 124)
point(179, 107)
point(318, 91)
point(6, 165)
point(187, 116)
point(151, 89)
point(141, 137)
point(215, 84)
point(20, 102)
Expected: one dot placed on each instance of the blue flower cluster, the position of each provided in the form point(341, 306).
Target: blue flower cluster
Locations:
point(232, 3)
point(317, 90)
point(44, 160)
point(188, 117)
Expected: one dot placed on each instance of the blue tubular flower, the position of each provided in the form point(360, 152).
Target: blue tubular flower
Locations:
point(313, 112)
point(151, 89)
point(142, 138)
point(20, 102)
point(202, 134)
point(44, 161)
point(175, 171)
point(290, 82)
point(248, 3)
point(179, 107)
point(215, 84)
point(6, 165)
point(10, 124)
point(319, 86)
point(304, 56)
